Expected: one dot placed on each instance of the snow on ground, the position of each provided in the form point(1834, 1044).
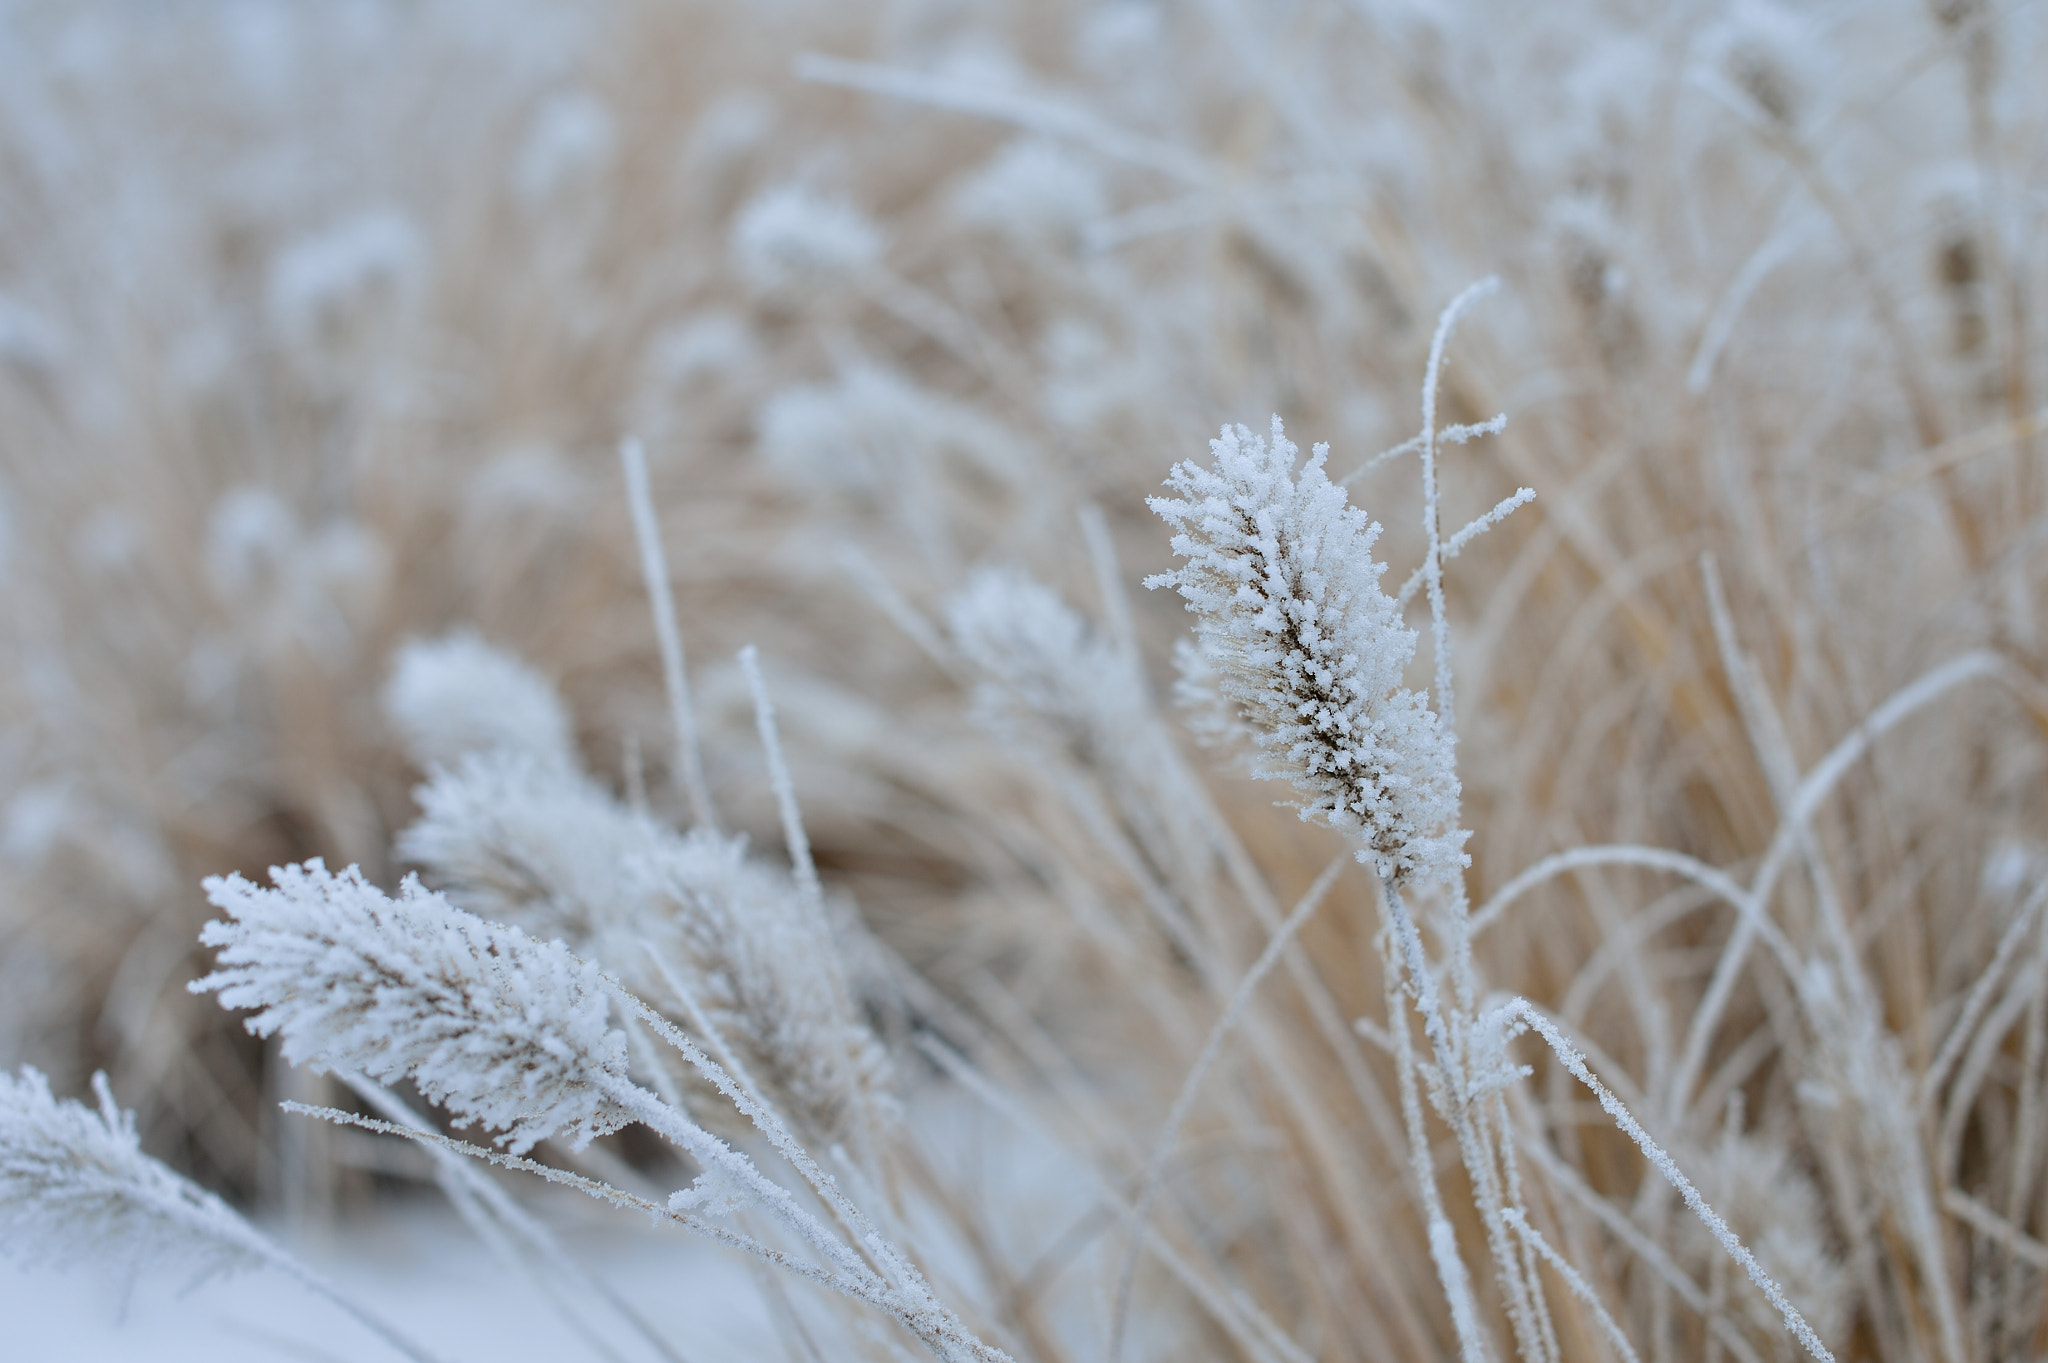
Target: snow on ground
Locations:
point(424, 1273)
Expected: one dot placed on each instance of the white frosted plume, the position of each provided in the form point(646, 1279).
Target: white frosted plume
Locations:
point(708, 345)
point(526, 842)
point(1302, 642)
point(1034, 189)
point(792, 238)
point(250, 538)
point(567, 146)
point(1769, 53)
point(321, 285)
point(489, 1023)
point(74, 1184)
point(738, 937)
point(514, 839)
point(870, 429)
point(1037, 657)
point(458, 694)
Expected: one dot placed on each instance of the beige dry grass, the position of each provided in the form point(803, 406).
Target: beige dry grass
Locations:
point(1770, 293)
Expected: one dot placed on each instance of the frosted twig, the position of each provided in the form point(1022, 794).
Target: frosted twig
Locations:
point(1465, 432)
point(1471, 530)
point(601, 1191)
point(1443, 1246)
point(1421, 979)
point(1408, 446)
point(1183, 1103)
point(474, 1195)
point(675, 677)
point(1432, 563)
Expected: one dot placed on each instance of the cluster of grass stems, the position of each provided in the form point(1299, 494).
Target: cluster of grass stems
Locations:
point(1731, 1040)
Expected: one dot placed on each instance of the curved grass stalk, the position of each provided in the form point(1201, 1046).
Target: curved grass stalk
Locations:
point(1819, 781)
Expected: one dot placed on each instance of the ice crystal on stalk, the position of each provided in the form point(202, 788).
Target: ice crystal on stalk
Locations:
point(494, 1026)
point(1308, 651)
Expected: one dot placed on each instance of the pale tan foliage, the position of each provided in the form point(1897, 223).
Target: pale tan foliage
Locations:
point(1779, 308)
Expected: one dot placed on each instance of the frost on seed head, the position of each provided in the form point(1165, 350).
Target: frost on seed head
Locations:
point(1770, 54)
point(791, 239)
point(489, 1023)
point(516, 840)
point(458, 694)
point(1305, 651)
point(765, 971)
point(522, 842)
point(1040, 666)
point(75, 1184)
point(1034, 190)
